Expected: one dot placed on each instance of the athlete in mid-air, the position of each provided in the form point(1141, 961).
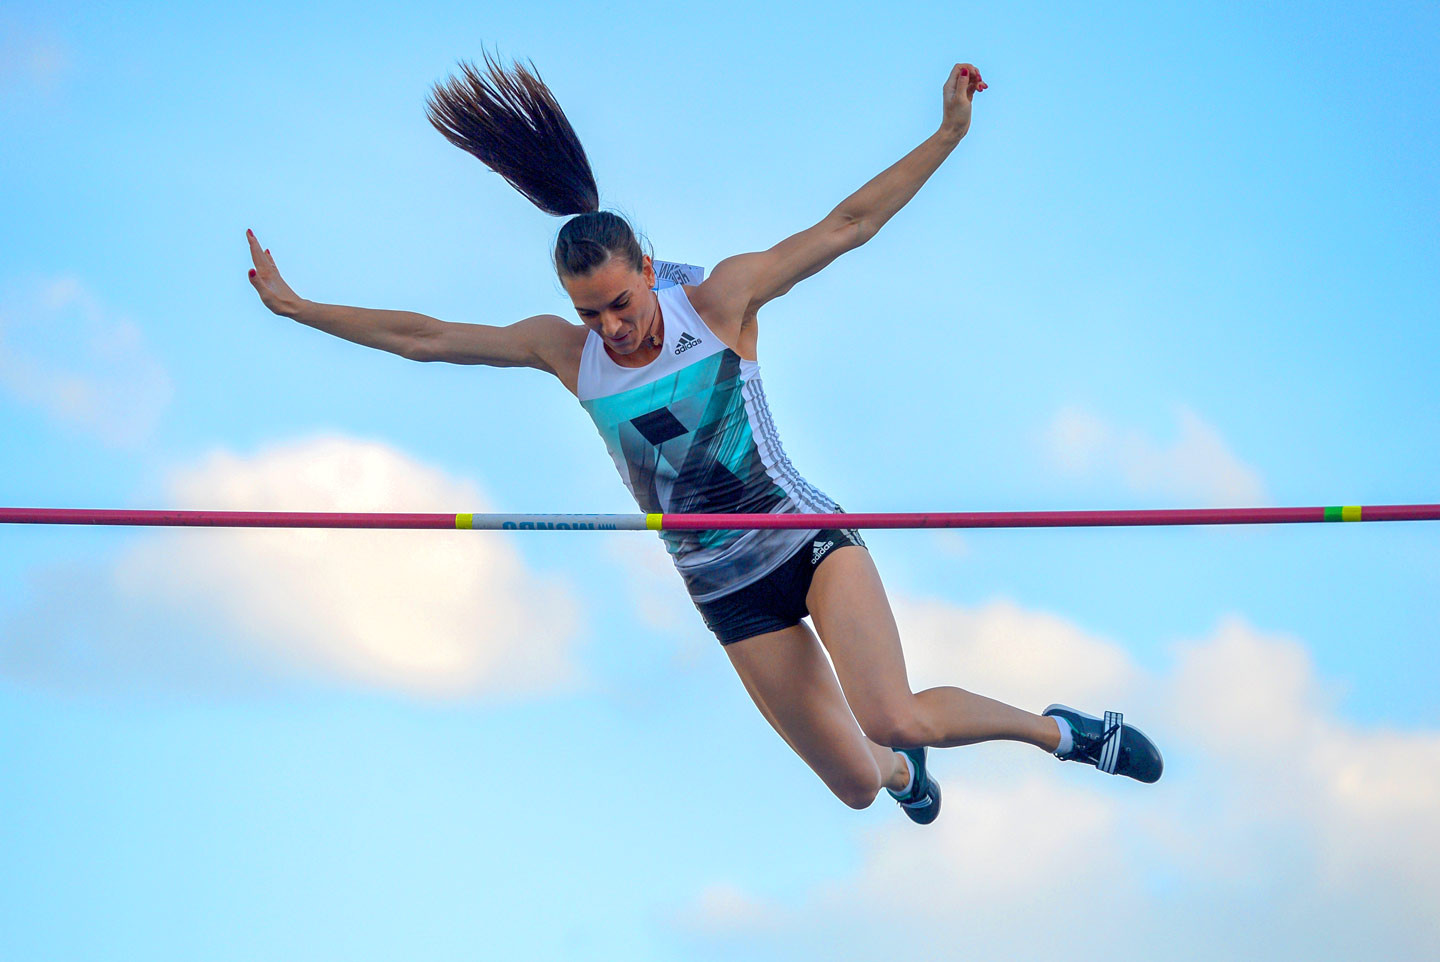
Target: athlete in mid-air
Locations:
point(671, 379)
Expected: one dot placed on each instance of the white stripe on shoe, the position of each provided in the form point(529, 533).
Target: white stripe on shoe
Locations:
point(1110, 751)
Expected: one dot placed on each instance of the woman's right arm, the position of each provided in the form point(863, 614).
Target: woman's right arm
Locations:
point(543, 342)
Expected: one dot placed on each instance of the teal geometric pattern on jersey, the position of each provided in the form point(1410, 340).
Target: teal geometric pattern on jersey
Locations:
point(683, 444)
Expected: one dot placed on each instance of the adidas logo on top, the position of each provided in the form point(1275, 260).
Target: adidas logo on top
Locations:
point(687, 341)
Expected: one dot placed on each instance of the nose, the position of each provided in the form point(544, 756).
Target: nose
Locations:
point(611, 324)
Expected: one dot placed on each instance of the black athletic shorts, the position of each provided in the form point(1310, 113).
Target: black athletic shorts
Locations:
point(777, 600)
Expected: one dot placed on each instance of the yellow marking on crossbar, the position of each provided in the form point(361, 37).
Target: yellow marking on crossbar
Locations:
point(1350, 513)
point(464, 521)
point(653, 521)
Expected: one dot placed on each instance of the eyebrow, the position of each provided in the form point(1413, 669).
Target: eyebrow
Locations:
point(612, 301)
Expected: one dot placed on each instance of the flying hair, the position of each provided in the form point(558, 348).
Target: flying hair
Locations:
point(511, 121)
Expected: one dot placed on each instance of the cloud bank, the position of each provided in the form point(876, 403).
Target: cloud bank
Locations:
point(1280, 829)
point(428, 613)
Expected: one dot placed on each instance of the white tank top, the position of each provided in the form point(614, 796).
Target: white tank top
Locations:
point(690, 432)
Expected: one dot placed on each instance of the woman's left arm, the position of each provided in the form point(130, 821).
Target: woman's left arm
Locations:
point(749, 280)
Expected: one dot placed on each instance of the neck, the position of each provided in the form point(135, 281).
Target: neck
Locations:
point(655, 334)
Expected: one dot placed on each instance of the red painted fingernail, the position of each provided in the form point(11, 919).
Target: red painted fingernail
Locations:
point(964, 71)
point(267, 250)
point(252, 272)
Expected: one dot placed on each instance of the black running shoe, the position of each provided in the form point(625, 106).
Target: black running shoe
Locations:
point(922, 804)
point(1110, 745)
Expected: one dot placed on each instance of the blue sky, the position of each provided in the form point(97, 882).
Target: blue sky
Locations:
point(1184, 258)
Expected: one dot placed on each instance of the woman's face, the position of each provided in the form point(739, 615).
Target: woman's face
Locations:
point(615, 301)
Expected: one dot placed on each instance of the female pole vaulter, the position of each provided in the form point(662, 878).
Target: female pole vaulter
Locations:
point(672, 381)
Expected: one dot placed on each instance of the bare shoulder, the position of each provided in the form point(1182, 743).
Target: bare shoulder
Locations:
point(558, 344)
point(729, 290)
point(549, 330)
point(725, 301)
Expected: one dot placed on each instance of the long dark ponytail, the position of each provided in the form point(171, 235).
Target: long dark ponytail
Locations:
point(512, 122)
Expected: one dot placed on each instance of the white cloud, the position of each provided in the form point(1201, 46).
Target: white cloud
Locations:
point(1198, 466)
point(63, 351)
point(435, 613)
point(1027, 658)
point(1280, 829)
point(1369, 798)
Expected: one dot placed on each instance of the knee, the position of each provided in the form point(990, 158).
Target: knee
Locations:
point(859, 792)
point(856, 783)
point(899, 726)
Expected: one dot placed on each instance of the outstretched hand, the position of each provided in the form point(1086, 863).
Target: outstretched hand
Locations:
point(960, 90)
point(265, 278)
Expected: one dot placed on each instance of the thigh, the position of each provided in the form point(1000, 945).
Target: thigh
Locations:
point(790, 679)
point(852, 614)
